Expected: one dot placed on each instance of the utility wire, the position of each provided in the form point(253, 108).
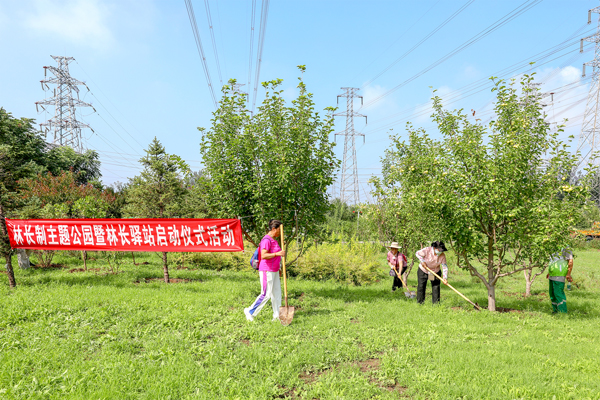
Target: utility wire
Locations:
point(420, 42)
point(484, 83)
point(397, 40)
point(212, 36)
point(527, 5)
point(116, 108)
point(194, 25)
point(252, 19)
point(261, 41)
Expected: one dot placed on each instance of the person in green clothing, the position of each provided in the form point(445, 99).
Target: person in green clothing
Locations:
point(559, 270)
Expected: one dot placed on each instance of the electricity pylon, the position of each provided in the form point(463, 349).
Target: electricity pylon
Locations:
point(64, 126)
point(349, 189)
point(589, 138)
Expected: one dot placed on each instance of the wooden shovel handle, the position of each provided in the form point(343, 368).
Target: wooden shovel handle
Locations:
point(283, 263)
point(450, 286)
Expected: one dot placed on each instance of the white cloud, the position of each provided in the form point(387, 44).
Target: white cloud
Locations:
point(77, 21)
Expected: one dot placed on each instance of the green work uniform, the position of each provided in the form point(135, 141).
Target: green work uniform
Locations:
point(558, 269)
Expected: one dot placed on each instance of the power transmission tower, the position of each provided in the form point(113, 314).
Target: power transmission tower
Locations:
point(589, 138)
point(64, 126)
point(349, 189)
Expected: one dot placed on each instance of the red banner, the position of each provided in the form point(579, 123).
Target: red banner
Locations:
point(126, 234)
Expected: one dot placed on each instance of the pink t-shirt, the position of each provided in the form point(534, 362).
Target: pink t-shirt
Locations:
point(271, 245)
point(401, 259)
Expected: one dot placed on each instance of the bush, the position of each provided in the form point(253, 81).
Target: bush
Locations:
point(218, 261)
point(351, 263)
point(582, 243)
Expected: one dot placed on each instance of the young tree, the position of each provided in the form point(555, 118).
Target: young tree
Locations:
point(275, 164)
point(503, 208)
point(159, 191)
point(21, 147)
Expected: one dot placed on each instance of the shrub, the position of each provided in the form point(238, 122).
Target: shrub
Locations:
point(351, 263)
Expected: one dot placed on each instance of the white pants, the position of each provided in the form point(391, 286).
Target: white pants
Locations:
point(270, 289)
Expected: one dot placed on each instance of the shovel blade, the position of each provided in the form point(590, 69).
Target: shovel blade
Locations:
point(286, 314)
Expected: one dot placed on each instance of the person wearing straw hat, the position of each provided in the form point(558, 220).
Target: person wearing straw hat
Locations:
point(398, 263)
point(432, 257)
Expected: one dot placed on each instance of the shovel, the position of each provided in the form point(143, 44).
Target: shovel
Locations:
point(450, 286)
point(286, 314)
point(408, 293)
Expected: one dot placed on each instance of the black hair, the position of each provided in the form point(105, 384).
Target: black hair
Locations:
point(439, 245)
point(274, 224)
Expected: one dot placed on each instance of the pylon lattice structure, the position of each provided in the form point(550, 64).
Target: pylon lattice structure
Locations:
point(349, 189)
point(589, 138)
point(64, 126)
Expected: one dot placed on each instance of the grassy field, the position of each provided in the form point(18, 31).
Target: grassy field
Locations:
point(92, 335)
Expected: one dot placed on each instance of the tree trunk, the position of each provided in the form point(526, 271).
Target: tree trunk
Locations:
point(84, 258)
point(133, 258)
point(23, 259)
point(491, 297)
point(165, 267)
point(9, 269)
point(528, 282)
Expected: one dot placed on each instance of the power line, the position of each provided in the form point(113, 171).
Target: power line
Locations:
point(261, 41)
point(194, 25)
point(214, 43)
point(398, 39)
point(450, 18)
point(527, 5)
point(103, 106)
point(252, 20)
point(484, 83)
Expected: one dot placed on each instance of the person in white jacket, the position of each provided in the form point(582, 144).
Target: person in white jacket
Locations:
point(433, 257)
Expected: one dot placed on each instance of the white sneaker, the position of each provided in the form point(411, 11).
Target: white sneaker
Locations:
point(249, 316)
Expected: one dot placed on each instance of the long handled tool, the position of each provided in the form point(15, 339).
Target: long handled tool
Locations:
point(408, 293)
point(286, 314)
point(450, 286)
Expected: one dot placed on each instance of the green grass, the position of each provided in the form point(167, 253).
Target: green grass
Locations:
point(93, 336)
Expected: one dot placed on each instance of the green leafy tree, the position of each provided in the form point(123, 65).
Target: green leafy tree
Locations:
point(90, 207)
point(85, 166)
point(275, 164)
point(159, 190)
point(500, 205)
point(21, 148)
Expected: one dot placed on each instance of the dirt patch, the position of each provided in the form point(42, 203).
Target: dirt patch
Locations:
point(83, 270)
point(288, 394)
point(52, 266)
point(245, 341)
point(172, 280)
point(367, 367)
point(301, 298)
point(354, 321)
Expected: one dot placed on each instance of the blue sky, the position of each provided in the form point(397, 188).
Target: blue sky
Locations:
point(140, 61)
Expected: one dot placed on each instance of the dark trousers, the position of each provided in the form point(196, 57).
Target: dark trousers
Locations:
point(397, 282)
point(422, 278)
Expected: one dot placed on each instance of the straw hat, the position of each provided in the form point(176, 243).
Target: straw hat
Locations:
point(394, 245)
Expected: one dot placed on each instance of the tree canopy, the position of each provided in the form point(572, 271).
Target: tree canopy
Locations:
point(276, 163)
point(499, 193)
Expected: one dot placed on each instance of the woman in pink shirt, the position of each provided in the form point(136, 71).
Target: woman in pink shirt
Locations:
point(398, 263)
point(433, 257)
point(268, 269)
